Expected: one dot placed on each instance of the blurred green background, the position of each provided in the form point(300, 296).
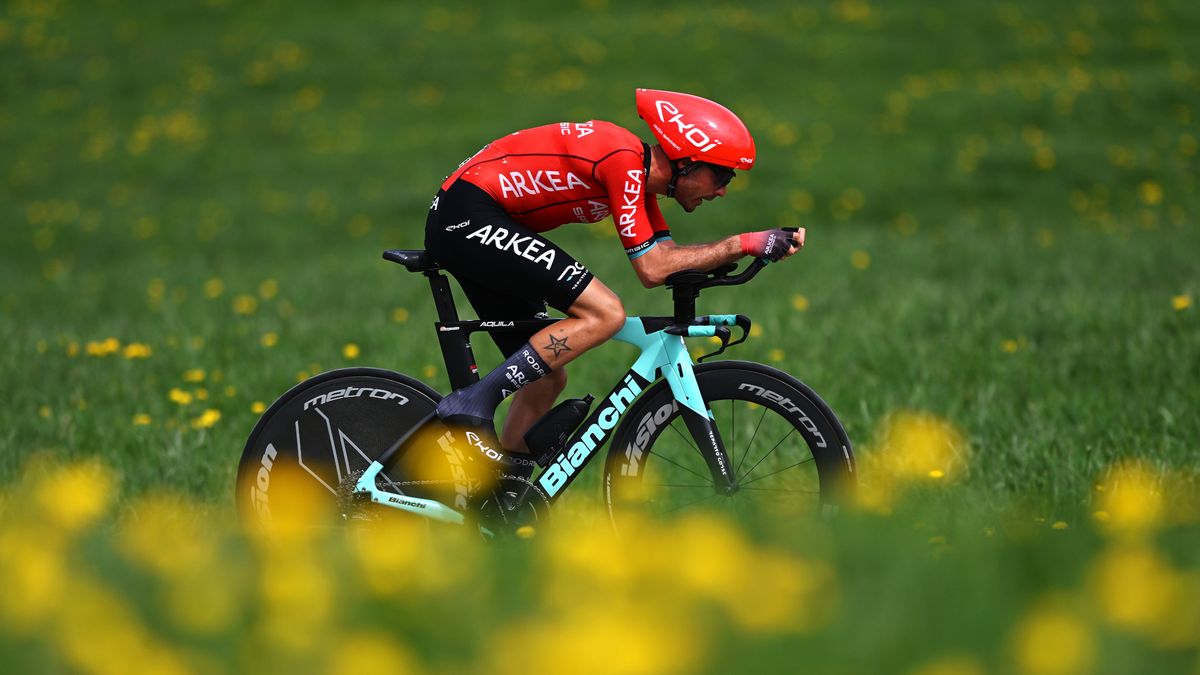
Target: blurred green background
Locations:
point(1000, 200)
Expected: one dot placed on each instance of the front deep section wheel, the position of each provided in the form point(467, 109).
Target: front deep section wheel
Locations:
point(323, 431)
point(789, 453)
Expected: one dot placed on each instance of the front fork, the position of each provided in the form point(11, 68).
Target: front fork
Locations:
point(699, 419)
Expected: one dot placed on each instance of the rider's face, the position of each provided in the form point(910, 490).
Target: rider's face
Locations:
point(701, 184)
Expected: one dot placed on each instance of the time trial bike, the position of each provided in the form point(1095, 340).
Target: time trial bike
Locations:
point(739, 436)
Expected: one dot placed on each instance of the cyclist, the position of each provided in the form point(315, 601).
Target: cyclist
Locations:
point(486, 227)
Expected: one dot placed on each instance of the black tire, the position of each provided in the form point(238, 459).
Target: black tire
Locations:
point(789, 452)
point(321, 431)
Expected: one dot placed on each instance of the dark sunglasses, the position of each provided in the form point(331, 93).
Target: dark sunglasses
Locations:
point(721, 175)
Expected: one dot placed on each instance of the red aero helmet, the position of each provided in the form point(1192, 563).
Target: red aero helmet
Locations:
point(696, 128)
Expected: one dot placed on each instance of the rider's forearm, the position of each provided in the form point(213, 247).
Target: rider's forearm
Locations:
point(701, 257)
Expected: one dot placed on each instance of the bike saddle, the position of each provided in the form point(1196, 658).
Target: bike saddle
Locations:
point(413, 260)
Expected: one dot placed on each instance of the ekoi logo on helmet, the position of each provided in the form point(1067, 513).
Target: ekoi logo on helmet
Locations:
point(696, 128)
point(695, 135)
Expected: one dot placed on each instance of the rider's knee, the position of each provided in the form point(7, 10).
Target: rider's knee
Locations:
point(609, 313)
point(557, 380)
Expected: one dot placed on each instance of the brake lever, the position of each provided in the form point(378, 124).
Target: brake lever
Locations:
point(723, 333)
point(742, 321)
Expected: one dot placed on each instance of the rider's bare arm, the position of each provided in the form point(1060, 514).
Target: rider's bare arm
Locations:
point(667, 258)
point(661, 261)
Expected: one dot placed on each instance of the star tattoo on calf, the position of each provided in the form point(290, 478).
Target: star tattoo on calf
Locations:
point(557, 346)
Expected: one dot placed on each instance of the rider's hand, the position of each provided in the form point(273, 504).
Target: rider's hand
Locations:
point(772, 244)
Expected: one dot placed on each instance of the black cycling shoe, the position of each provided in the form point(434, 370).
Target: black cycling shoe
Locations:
point(477, 437)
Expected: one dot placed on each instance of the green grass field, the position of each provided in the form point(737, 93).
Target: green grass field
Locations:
point(1001, 207)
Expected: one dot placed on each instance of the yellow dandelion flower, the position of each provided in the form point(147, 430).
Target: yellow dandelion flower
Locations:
point(1044, 159)
point(44, 412)
point(1181, 302)
point(1009, 346)
point(137, 350)
point(258, 407)
point(230, 391)
point(363, 652)
point(775, 355)
point(937, 473)
point(428, 371)
point(400, 315)
point(1150, 192)
point(194, 375)
point(799, 302)
point(201, 394)
point(141, 420)
point(1053, 642)
point(75, 496)
point(213, 288)
point(1136, 587)
point(104, 347)
point(72, 349)
point(1059, 525)
point(245, 305)
point(755, 330)
point(268, 289)
point(309, 98)
point(180, 396)
point(207, 420)
point(1132, 499)
point(861, 260)
point(350, 351)
point(269, 340)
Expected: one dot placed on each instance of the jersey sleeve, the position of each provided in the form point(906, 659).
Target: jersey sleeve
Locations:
point(635, 218)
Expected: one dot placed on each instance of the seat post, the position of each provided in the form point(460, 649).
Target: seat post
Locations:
point(443, 299)
point(456, 344)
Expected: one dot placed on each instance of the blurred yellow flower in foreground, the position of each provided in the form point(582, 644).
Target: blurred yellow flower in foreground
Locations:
point(605, 639)
point(372, 652)
point(34, 574)
point(1181, 302)
point(1135, 587)
point(1053, 641)
point(100, 634)
point(1131, 496)
point(74, 497)
point(909, 447)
